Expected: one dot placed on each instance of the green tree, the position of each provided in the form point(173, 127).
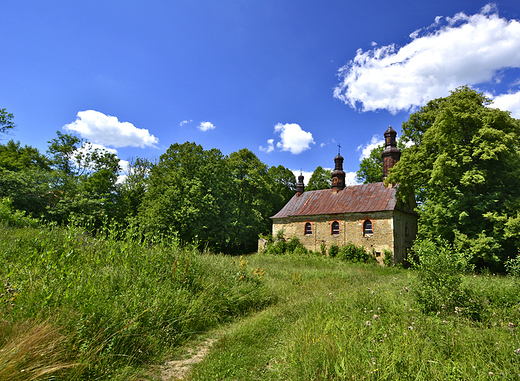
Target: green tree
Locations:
point(254, 199)
point(132, 189)
point(464, 168)
point(25, 177)
point(6, 121)
point(188, 193)
point(320, 179)
point(84, 181)
point(371, 167)
point(284, 185)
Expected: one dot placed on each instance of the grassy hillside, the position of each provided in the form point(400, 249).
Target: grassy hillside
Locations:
point(340, 321)
point(78, 308)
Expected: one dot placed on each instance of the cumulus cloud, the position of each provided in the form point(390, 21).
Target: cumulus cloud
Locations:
point(510, 102)
point(206, 126)
point(109, 131)
point(294, 139)
point(365, 149)
point(269, 148)
point(350, 178)
point(185, 122)
point(452, 52)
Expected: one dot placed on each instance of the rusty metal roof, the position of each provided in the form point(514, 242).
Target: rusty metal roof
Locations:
point(353, 199)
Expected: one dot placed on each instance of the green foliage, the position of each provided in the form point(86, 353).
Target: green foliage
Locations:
point(6, 121)
point(281, 246)
point(463, 167)
point(320, 179)
point(371, 167)
point(439, 286)
point(352, 253)
point(117, 303)
point(513, 267)
point(14, 218)
point(388, 258)
point(333, 251)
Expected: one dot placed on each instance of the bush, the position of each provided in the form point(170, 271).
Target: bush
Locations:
point(513, 267)
point(388, 259)
point(333, 251)
point(353, 253)
point(439, 287)
point(14, 218)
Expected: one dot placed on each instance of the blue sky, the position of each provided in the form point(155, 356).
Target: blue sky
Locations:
point(289, 80)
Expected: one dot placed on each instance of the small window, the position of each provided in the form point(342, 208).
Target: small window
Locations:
point(335, 228)
point(308, 228)
point(367, 227)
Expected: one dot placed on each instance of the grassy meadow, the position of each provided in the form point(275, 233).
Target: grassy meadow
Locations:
point(112, 307)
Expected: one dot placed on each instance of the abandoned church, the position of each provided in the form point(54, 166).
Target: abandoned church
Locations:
point(368, 215)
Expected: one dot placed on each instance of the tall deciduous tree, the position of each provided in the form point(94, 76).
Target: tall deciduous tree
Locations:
point(188, 192)
point(320, 179)
point(464, 168)
point(284, 185)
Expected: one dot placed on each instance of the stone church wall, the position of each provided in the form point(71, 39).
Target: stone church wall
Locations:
point(351, 230)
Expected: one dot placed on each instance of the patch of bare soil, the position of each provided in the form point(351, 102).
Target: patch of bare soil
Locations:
point(176, 370)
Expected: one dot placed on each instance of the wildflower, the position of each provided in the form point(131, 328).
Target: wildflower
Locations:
point(491, 374)
point(457, 309)
point(445, 322)
point(511, 325)
point(379, 308)
point(368, 323)
point(375, 317)
point(517, 351)
point(405, 288)
point(385, 335)
point(330, 294)
point(373, 292)
point(410, 327)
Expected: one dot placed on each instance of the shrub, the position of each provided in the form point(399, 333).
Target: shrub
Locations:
point(353, 253)
point(513, 267)
point(14, 218)
point(439, 287)
point(333, 251)
point(388, 258)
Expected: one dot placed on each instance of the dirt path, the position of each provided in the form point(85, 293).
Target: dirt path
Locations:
point(175, 370)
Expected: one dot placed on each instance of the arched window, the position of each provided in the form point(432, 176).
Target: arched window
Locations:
point(308, 228)
point(335, 228)
point(367, 227)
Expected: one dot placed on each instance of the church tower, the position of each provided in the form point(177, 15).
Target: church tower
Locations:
point(300, 187)
point(391, 153)
point(338, 176)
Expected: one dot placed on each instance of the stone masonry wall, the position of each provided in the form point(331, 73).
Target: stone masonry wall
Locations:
point(351, 230)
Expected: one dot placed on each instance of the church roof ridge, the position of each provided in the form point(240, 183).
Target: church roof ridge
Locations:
point(361, 198)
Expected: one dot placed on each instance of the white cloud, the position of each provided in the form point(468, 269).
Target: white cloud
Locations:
point(269, 148)
point(185, 122)
point(510, 102)
point(107, 130)
point(294, 139)
point(350, 178)
point(205, 126)
point(453, 52)
point(367, 148)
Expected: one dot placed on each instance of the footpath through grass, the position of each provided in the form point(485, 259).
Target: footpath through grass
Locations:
point(339, 321)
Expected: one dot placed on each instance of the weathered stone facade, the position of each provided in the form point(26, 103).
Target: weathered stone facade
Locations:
point(391, 230)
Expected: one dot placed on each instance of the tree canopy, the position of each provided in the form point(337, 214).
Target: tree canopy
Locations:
point(464, 169)
point(320, 179)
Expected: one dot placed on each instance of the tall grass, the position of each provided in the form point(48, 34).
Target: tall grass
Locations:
point(341, 321)
point(111, 305)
